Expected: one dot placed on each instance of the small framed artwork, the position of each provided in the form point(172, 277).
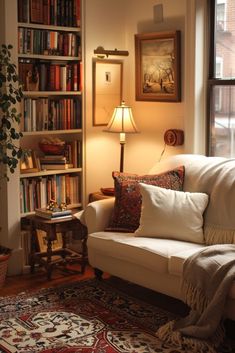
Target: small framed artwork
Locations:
point(157, 60)
point(42, 241)
point(29, 163)
point(107, 89)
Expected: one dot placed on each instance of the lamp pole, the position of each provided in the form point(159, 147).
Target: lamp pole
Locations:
point(122, 144)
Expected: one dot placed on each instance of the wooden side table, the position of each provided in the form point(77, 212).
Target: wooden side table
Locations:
point(62, 256)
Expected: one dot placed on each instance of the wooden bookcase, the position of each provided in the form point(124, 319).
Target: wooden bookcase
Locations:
point(12, 214)
point(49, 61)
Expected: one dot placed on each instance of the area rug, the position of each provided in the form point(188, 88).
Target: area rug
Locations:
point(89, 317)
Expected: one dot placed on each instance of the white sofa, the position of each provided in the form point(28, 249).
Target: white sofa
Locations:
point(157, 263)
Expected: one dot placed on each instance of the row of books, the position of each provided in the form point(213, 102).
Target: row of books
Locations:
point(42, 114)
point(42, 42)
point(50, 12)
point(44, 76)
point(53, 162)
point(71, 157)
point(37, 192)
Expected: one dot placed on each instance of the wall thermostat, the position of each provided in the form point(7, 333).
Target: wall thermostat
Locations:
point(174, 137)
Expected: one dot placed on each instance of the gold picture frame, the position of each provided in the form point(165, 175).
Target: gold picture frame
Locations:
point(157, 59)
point(107, 89)
point(29, 163)
point(42, 241)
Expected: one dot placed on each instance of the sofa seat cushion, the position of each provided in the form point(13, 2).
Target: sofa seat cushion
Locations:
point(150, 253)
point(176, 263)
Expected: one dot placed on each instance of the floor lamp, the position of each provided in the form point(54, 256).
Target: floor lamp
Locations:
point(122, 122)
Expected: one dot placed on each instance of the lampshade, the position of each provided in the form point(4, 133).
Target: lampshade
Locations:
point(122, 120)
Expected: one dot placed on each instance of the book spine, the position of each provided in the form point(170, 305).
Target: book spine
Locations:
point(78, 12)
point(75, 77)
point(46, 12)
point(52, 77)
point(63, 73)
point(69, 78)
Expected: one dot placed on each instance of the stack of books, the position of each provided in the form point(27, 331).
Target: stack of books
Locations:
point(53, 215)
point(54, 162)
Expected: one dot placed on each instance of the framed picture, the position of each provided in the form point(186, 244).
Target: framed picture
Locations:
point(42, 241)
point(29, 163)
point(157, 60)
point(107, 89)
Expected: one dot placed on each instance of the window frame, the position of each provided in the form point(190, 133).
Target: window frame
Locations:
point(212, 80)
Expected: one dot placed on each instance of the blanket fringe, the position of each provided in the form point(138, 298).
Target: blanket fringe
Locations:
point(194, 297)
point(167, 334)
point(215, 235)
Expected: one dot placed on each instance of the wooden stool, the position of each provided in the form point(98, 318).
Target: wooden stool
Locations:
point(61, 256)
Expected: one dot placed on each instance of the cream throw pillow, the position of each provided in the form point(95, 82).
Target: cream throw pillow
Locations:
point(172, 214)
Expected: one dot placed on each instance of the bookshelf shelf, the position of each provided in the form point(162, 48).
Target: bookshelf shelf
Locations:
point(50, 172)
point(52, 132)
point(49, 27)
point(51, 93)
point(49, 57)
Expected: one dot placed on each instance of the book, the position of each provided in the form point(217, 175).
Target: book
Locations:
point(36, 11)
point(56, 166)
point(43, 212)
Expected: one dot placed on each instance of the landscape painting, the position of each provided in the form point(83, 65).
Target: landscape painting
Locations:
point(158, 66)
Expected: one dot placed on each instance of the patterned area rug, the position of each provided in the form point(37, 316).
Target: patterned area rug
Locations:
point(88, 317)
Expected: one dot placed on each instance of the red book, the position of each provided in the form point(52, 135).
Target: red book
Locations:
point(77, 5)
point(36, 11)
point(46, 12)
point(80, 77)
point(57, 77)
point(60, 44)
point(65, 44)
point(68, 114)
point(52, 77)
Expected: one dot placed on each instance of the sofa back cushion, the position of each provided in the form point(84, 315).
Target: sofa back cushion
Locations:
point(127, 207)
point(214, 176)
point(172, 214)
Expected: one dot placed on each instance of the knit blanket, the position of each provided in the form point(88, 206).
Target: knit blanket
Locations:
point(207, 278)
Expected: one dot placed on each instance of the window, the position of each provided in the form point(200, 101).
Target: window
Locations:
point(221, 83)
point(220, 15)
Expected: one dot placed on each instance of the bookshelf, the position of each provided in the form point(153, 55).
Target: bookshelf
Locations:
point(50, 67)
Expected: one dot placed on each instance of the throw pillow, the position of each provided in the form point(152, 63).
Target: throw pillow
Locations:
point(172, 214)
point(127, 207)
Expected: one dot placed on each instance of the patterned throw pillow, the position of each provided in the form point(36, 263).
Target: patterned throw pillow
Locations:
point(127, 207)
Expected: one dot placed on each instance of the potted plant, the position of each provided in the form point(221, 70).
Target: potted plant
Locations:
point(10, 153)
point(10, 95)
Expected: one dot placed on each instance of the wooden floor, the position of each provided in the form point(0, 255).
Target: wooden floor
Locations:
point(33, 282)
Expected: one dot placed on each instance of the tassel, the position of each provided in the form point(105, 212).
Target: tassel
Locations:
point(167, 334)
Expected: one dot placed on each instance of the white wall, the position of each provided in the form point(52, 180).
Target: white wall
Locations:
point(112, 24)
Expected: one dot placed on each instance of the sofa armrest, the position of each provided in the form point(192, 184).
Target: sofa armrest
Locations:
point(97, 214)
